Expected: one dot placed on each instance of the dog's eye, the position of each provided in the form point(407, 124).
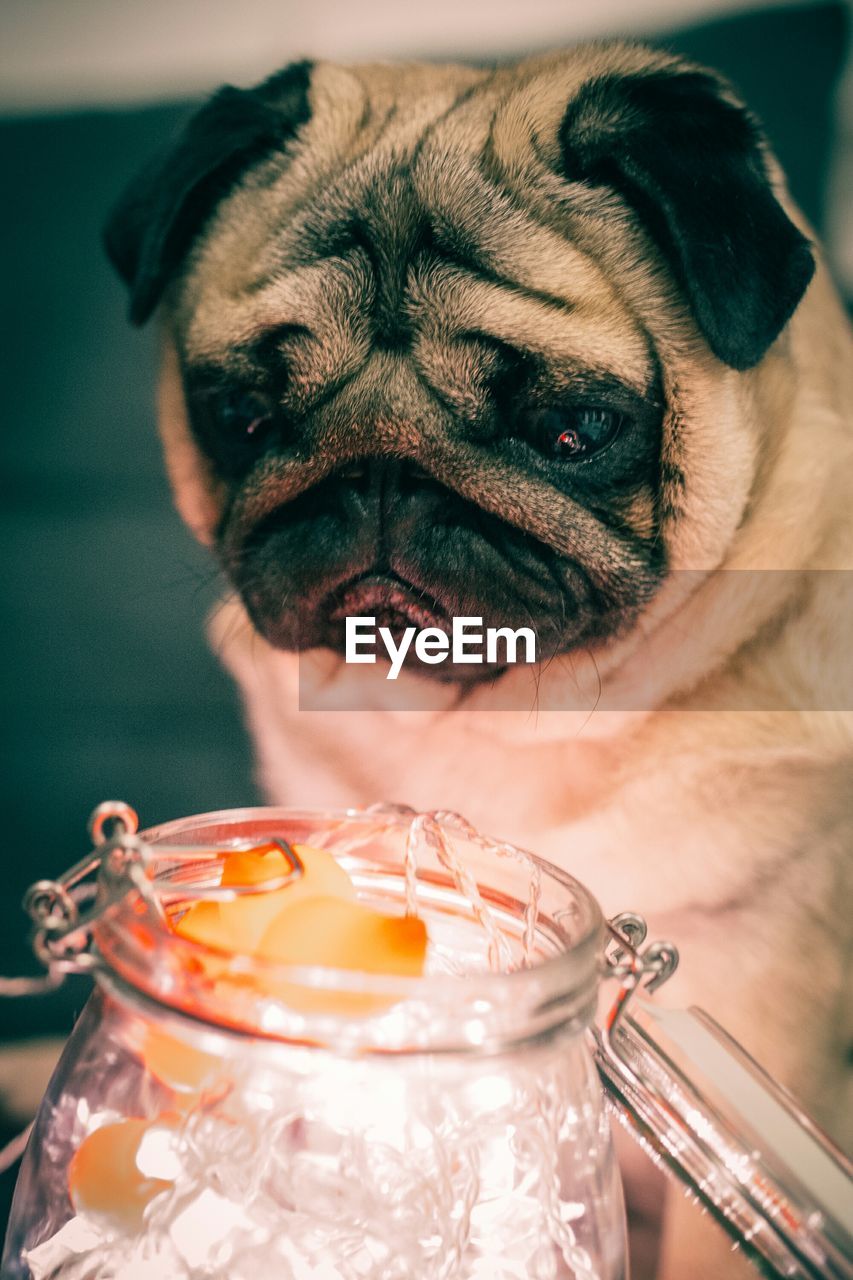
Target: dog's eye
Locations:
point(574, 432)
point(234, 427)
point(241, 413)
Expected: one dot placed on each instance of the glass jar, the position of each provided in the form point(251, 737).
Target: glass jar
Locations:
point(447, 1126)
point(217, 1115)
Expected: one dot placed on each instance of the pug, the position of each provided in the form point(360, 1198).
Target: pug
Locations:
point(548, 345)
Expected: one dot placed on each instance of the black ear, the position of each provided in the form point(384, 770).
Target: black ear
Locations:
point(691, 165)
point(164, 208)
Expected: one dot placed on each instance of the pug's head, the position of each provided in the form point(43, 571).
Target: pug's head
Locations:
point(447, 341)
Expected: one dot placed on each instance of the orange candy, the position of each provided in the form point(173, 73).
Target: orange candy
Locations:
point(343, 935)
point(260, 865)
point(104, 1178)
point(238, 925)
point(202, 923)
point(313, 920)
point(176, 1064)
point(346, 935)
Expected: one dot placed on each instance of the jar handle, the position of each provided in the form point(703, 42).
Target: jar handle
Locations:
point(706, 1112)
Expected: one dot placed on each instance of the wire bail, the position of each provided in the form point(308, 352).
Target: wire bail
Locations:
point(623, 959)
point(65, 910)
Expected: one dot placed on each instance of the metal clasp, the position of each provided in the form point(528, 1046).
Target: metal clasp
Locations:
point(623, 959)
point(648, 969)
point(64, 911)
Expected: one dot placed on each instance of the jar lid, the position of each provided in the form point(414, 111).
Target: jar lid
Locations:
point(704, 1110)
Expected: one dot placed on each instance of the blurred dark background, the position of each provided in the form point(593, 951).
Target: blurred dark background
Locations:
point(107, 688)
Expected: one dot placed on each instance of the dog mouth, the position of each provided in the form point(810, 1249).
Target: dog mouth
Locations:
point(398, 605)
point(389, 600)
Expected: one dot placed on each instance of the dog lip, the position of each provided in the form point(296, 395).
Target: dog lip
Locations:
point(390, 598)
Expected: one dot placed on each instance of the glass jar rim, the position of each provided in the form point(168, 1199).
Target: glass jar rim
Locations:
point(491, 1010)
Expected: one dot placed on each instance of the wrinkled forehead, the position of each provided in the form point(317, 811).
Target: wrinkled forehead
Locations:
point(396, 162)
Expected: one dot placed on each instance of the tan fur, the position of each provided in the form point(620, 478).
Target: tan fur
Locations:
point(664, 791)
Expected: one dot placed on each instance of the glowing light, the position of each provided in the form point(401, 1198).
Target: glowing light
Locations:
point(491, 1093)
point(157, 1154)
point(203, 1224)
